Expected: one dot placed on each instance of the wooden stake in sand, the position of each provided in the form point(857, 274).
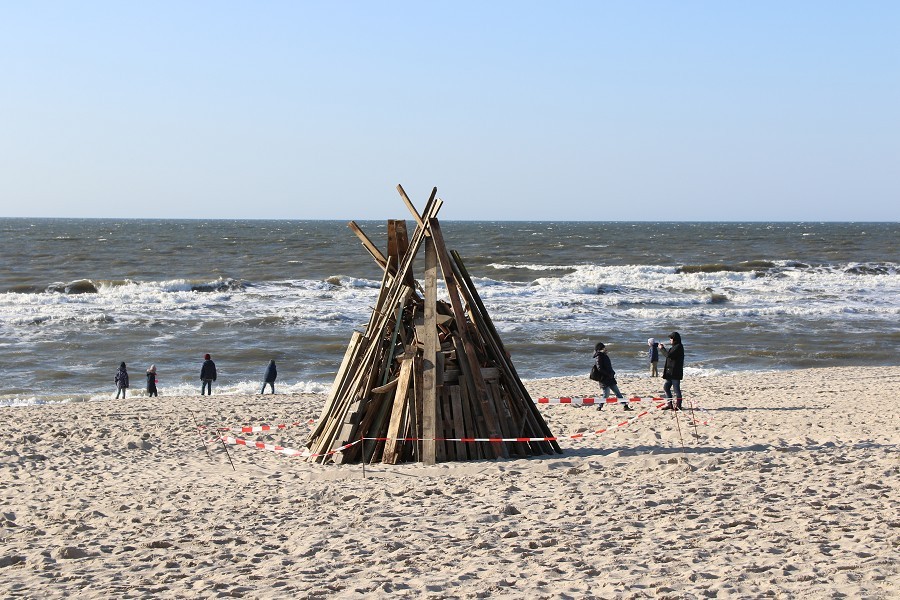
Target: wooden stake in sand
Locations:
point(197, 425)
point(694, 419)
point(675, 412)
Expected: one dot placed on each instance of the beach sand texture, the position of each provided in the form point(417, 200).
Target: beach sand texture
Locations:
point(791, 491)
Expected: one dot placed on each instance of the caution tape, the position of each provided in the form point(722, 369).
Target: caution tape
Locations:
point(260, 428)
point(487, 439)
point(305, 453)
point(591, 400)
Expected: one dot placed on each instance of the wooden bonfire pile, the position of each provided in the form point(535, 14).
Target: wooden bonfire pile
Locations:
point(426, 370)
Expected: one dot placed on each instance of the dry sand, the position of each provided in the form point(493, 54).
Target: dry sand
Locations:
point(791, 491)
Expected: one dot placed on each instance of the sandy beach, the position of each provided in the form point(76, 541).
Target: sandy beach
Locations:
point(790, 490)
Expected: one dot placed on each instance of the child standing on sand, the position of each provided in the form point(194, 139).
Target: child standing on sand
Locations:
point(121, 381)
point(151, 382)
point(653, 353)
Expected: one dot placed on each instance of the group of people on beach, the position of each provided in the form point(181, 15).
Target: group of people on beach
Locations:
point(673, 371)
point(208, 374)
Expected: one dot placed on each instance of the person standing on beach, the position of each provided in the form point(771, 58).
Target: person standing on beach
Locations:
point(270, 377)
point(207, 374)
point(121, 381)
point(151, 382)
point(607, 376)
point(673, 371)
point(653, 353)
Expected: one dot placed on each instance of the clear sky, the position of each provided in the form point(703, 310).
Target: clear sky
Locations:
point(673, 110)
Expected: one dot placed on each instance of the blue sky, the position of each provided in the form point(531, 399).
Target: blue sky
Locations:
point(514, 110)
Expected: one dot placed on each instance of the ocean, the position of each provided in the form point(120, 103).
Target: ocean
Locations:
point(77, 297)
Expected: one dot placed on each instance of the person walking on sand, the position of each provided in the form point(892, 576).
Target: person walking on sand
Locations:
point(653, 354)
point(673, 371)
point(607, 376)
point(151, 382)
point(270, 377)
point(121, 381)
point(207, 374)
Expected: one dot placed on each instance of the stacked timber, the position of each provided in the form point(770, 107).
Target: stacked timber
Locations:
point(427, 373)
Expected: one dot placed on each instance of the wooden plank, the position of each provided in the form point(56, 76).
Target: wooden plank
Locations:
point(341, 374)
point(397, 424)
point(440, 447)
point(392, 248)
point(473, 448)
point(429, 354)
point(501, 356)
point(467, 384)
point(419, 401)
point(410, 206)
point(488, 411)
point(386, 387)
point(402, 237)
point(459, 425)
point(367, 243)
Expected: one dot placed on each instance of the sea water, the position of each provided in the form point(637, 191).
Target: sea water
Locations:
point(77, 297)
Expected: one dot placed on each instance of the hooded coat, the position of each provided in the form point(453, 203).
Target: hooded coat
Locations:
point(271, 373)
point(208, 370)
point(674, 368)
point(121, 377)
point(604, 365)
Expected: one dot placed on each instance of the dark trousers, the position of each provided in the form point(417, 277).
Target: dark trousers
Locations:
point(151, 391)
point(269, 383)
point(207, 385)
point(122, 390)
point(667, 387)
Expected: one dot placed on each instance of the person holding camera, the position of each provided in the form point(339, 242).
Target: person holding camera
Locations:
point(673, 372)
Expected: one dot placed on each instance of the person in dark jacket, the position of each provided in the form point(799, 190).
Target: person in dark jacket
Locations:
point(121, 380)
point(270, 377)
point(607, 377)
point(653, 354)
point(207, 374)
point(151, 382)
point(673, 372)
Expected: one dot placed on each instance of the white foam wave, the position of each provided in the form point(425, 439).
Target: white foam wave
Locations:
point(530, 267)
point(240, 388)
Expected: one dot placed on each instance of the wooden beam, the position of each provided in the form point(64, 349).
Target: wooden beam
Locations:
point(483, 321)
point(393, 447)
point(367, 243)
point(429, 379)
point(459, 426)
point(410, 205)
point(487, 408)
point(339, 378)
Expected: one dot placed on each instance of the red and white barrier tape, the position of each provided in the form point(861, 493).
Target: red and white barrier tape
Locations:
point(305, 453)
point(590, 400)
point(261, 428)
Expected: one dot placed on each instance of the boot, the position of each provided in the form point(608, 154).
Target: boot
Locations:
point(678, 404)
point(668, 406)
point(626, 407)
